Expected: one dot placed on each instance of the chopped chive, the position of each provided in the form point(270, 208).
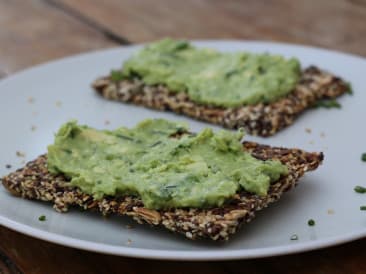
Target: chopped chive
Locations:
point(294, 237)
point(116, 75)
point(181, 45)
point(349, 88)
point(42, 218)
point(331, 103)
point(159, 132)
point(124, 137)
point(155, 144)
point(363, 157)
point(231, 72)
point(68, 151)
point(362, 207)
point(360, 189)
point(311, 222)
point(181, 129)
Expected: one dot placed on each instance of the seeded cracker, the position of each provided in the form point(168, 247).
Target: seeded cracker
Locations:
point(261, 119)
point(35, 182)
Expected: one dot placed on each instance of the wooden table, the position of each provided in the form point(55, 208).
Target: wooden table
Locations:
point(36, 31)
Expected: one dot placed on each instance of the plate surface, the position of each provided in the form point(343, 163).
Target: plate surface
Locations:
point(35, 102)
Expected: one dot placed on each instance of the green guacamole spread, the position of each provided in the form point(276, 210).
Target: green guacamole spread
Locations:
point(161, 163)
point(211, 77)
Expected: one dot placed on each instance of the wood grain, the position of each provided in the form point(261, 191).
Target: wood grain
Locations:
point(36, 31)
point(337, 24)
point(35, 256)
point(33, 32)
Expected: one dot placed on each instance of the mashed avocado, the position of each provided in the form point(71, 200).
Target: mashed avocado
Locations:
point(212, 77)
point(151, 161)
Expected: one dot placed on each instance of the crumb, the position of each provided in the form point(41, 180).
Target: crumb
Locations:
point(129, 241)
point(322, 134)
point(33, 128)
point(107, 122)
point(330, 211)
point(20, 154)
point(294, 237)
point(58, 103)
point(311, 142)
point(308, 130)
point(129, 226)
point(8, 166)
point(30, 100)
point(35, 113)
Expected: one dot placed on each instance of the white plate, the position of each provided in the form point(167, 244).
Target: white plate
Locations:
point(48, 95)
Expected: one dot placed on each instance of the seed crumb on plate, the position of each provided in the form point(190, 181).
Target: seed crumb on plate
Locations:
point(129, 241)
point(20, 154)
point(107, 122)
point(330, 211)
point(294, 237)
point(33, 128)
point(308, 130)
point(30, 100)
point(58, 103)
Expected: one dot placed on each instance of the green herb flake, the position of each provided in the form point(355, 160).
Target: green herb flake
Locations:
point(349, 88)
point(362, 207)
point(42, 218)
point(125, 137)
point(331, 103)
point(156, 144)
point(360, 189)
point(363, 157)
point(116, 75)
point(294, 237)
point(311, 222)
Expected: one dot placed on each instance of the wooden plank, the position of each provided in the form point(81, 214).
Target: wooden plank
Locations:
point(346, 258)
point(33, 32)
point(334, 24)
point(35, 256)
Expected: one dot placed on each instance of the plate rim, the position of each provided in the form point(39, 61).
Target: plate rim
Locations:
point(170, 255)
point(205, 255)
